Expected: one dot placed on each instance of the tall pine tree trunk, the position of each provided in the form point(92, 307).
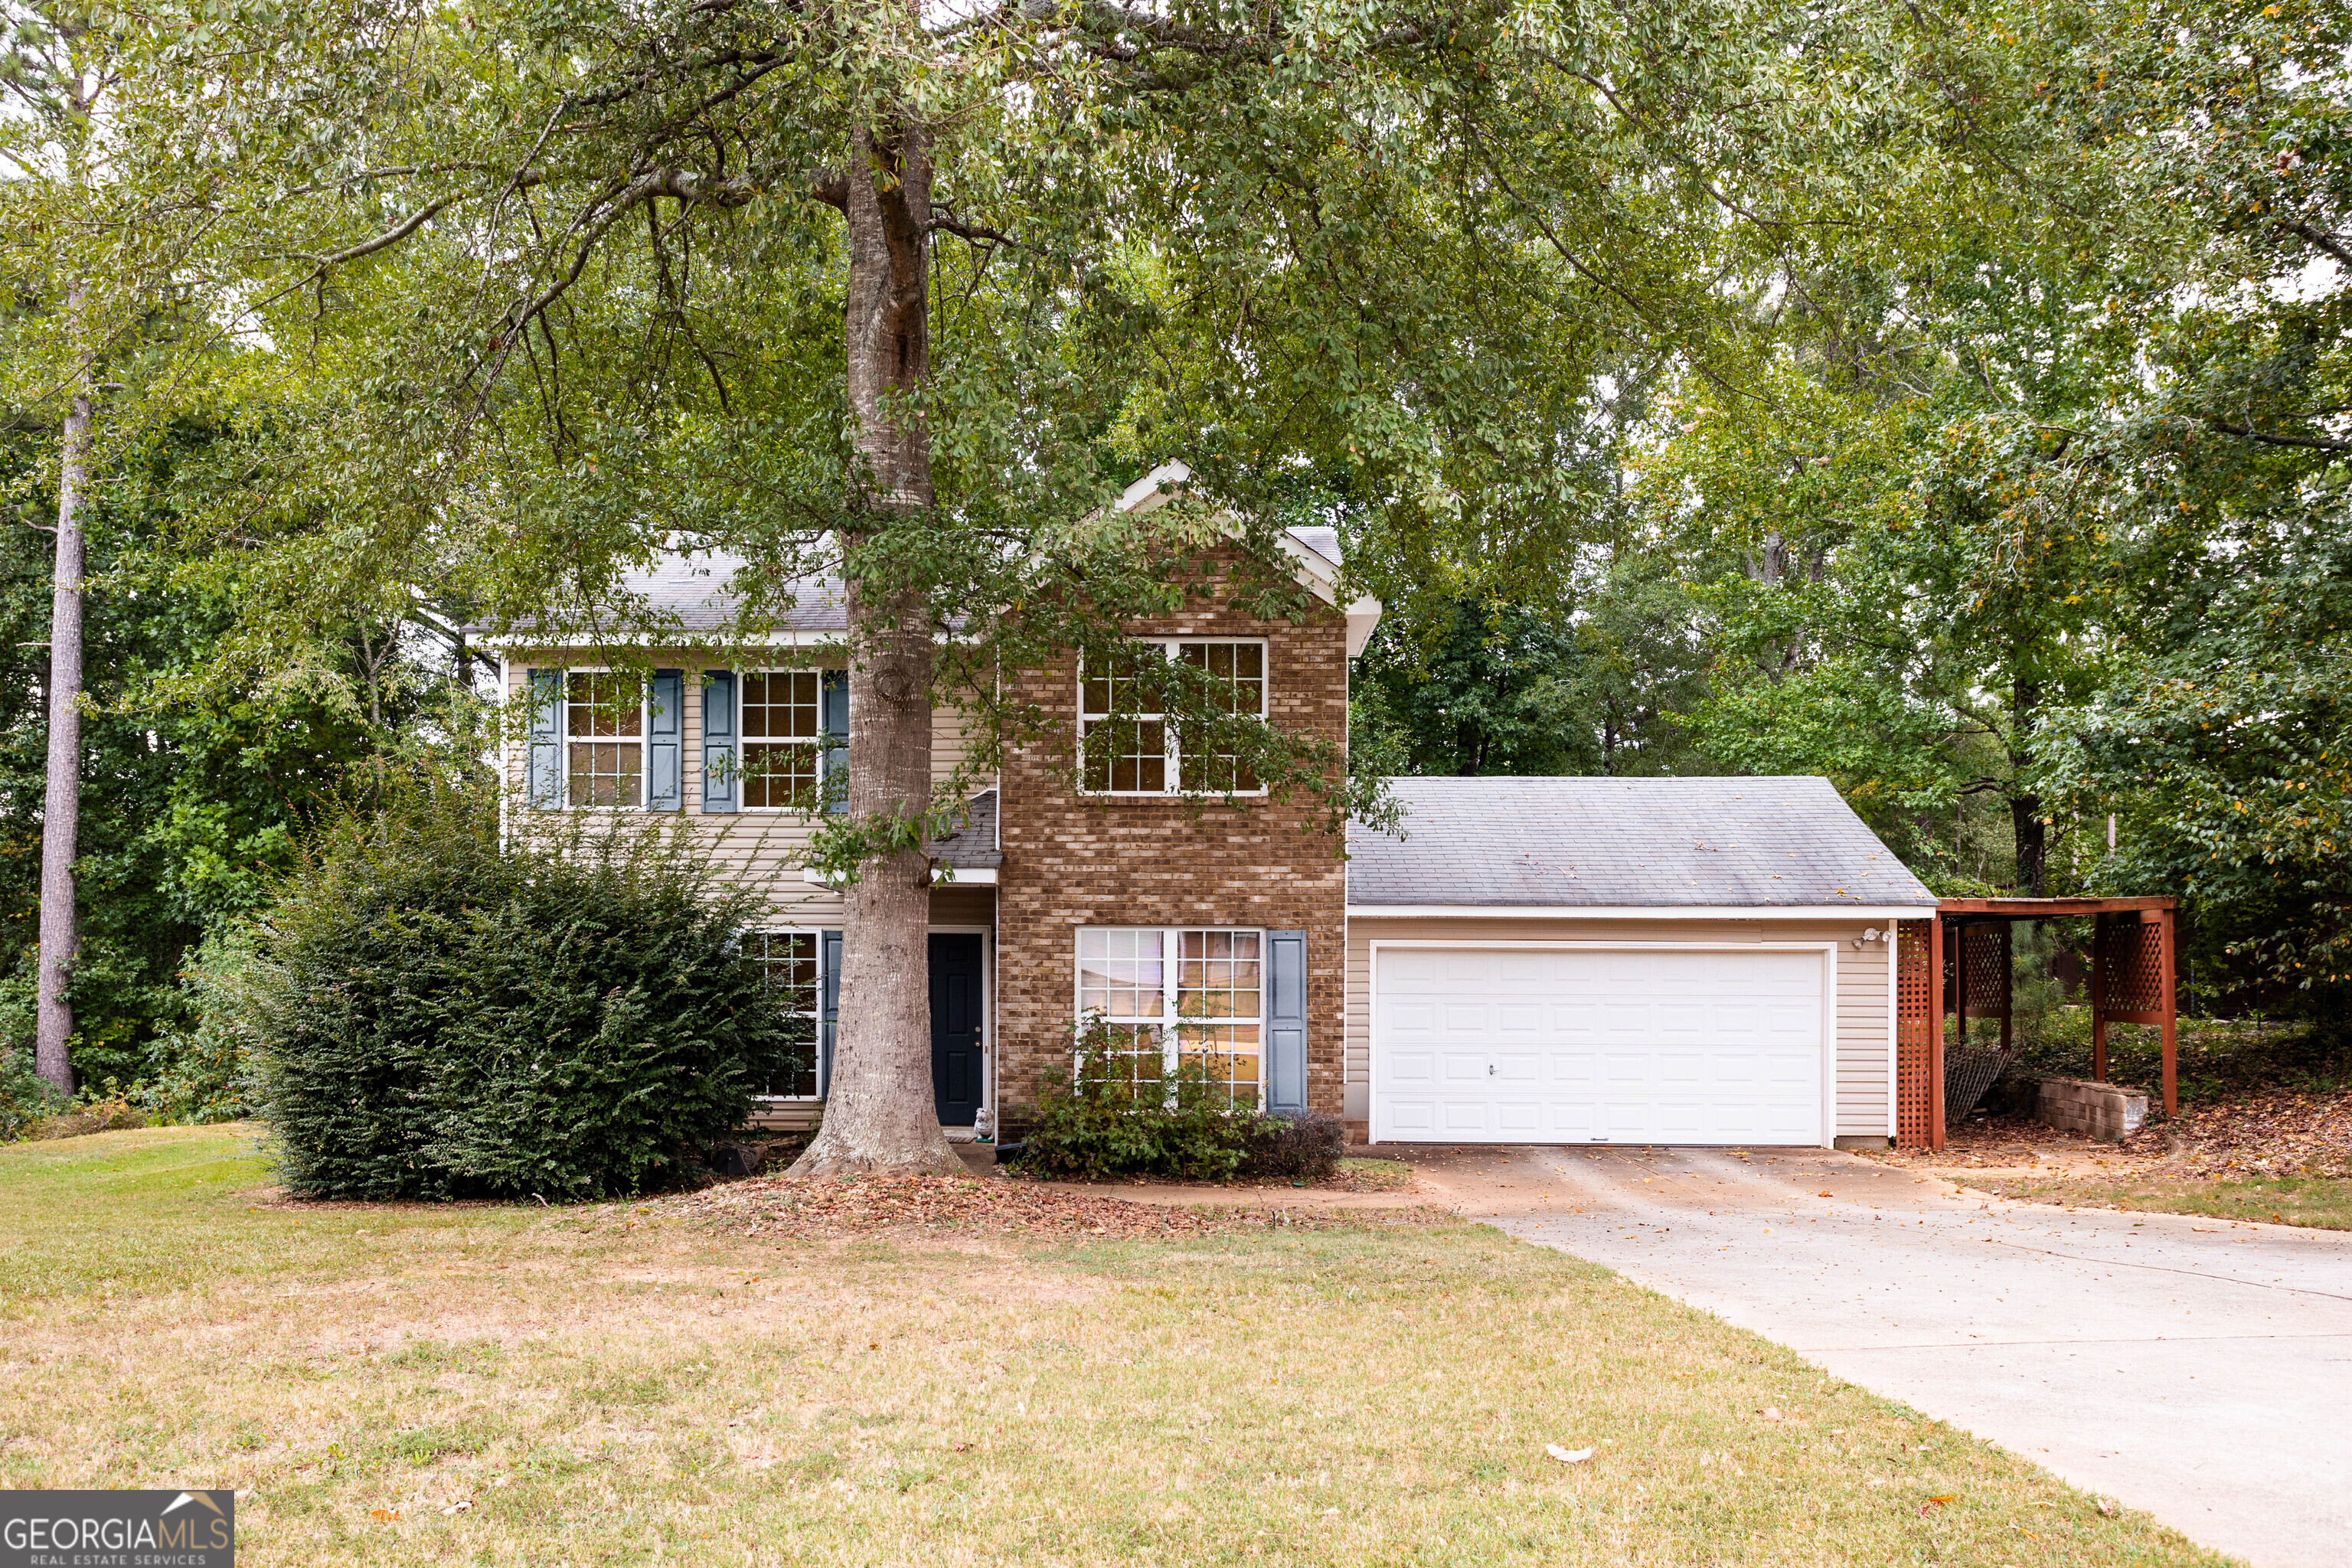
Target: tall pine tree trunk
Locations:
point(2026, 826)
point(880, 1114)
point(62, 813)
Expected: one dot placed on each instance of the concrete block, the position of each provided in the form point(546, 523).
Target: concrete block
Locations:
point(1854, 1140)
point(2106, 1112)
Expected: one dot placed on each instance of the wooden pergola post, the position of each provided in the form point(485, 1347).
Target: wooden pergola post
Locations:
point(2099, 945)
point(1935, 1030)
point(2169, 989)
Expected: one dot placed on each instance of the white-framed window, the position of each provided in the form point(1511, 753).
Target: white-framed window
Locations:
point(603, 739)
point(1131, 750)
point(1166, 996)
point(783, 740)
point(788, 964)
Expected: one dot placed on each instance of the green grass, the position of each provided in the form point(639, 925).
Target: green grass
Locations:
point(627, 1384)
point(2323, 1202)
point(2216, 1057)
point(1368, 1173)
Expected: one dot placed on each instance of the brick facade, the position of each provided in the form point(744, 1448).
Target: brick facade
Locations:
point(1072, 860)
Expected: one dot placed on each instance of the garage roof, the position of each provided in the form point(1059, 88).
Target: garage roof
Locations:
point(1557, 843)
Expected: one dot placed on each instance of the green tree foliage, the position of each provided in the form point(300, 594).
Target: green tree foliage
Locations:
point(436, 1014)
point(1507, 688)
point(2034, 524)
point(195, 793)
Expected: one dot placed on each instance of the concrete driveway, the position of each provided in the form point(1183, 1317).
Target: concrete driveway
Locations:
point(2198, 1369)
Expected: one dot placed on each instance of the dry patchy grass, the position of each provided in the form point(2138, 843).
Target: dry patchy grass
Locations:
point(633, 1383)
point(2323, 1202)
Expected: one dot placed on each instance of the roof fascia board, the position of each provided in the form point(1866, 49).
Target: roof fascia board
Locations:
point(1641, 912)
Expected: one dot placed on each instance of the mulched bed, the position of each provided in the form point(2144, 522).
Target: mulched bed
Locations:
point(965, 1205)
point(2253, 1133)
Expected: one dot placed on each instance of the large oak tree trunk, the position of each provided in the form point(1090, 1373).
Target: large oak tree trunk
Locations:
point(61, 811)
point(880, 1114)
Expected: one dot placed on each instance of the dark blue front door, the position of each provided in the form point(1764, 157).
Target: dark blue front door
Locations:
point(955, 1028)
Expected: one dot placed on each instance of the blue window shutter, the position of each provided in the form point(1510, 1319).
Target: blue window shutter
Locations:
point(828, 1006)
point(719, 740)
point(835, 715)
point(666, 741)
point(543, 765)
point(1285, 1022)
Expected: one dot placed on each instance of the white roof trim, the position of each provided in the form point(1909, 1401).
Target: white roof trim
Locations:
point(1637, 912)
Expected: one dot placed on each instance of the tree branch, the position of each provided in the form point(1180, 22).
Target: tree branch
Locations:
point(2312, 232)
point(2315, 443)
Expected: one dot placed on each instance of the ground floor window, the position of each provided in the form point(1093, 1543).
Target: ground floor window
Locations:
point(787, 960)
point(1164, 996)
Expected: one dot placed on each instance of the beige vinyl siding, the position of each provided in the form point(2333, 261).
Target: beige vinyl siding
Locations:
point(760, 849)
point(1864, 1028)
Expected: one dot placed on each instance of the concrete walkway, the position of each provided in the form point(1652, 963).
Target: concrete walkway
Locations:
point(2198, 1369)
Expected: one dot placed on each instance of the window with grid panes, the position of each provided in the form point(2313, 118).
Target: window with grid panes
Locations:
point(1236, 672)
point(783, 737)
point(787, 961)
point(605, 739)
point(1167, 996)
point(1129, 747)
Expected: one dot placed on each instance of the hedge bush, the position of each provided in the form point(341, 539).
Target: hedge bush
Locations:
point(435, 1013)
point(1105, 1118)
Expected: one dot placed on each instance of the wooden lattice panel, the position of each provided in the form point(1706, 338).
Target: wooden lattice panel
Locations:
point(2130, 966)
point(1985, 956)
point(1917, 1014)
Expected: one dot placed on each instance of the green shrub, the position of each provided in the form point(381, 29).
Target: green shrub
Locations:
point(434, 1014)
point(25, 1098)
point(202, 1071)
point(1305, 1148)
point(1120, 1114)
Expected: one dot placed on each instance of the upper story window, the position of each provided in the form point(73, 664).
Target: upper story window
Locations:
point(605, 739)
point(1129, 749)
point(783, 740)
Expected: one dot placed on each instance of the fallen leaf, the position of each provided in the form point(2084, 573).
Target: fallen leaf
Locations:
point(1946, 1498)
point(1823, 1193)
point(384, 1513)
point(2107, 1507)
point(1568, 1455)
point(1771, 1412)
point(461, 1506)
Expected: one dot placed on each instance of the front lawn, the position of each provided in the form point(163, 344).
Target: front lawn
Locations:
point(669, 1381)
point(2324, 1202)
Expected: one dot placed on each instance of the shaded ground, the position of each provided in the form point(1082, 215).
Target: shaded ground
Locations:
point(999, 1206)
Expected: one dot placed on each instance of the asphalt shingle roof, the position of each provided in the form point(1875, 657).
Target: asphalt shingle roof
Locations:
point(971, 845)
point(696, 592)
point(1626, 843)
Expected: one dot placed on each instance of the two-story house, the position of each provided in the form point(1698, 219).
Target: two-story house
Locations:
point(1533, 960)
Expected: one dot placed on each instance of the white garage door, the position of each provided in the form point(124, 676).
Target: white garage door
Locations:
point(1520, 1046)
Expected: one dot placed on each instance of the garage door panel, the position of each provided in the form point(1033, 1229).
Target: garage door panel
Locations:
point(1463, 1069)
point(1522, 1018)
point(1599, 1045)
